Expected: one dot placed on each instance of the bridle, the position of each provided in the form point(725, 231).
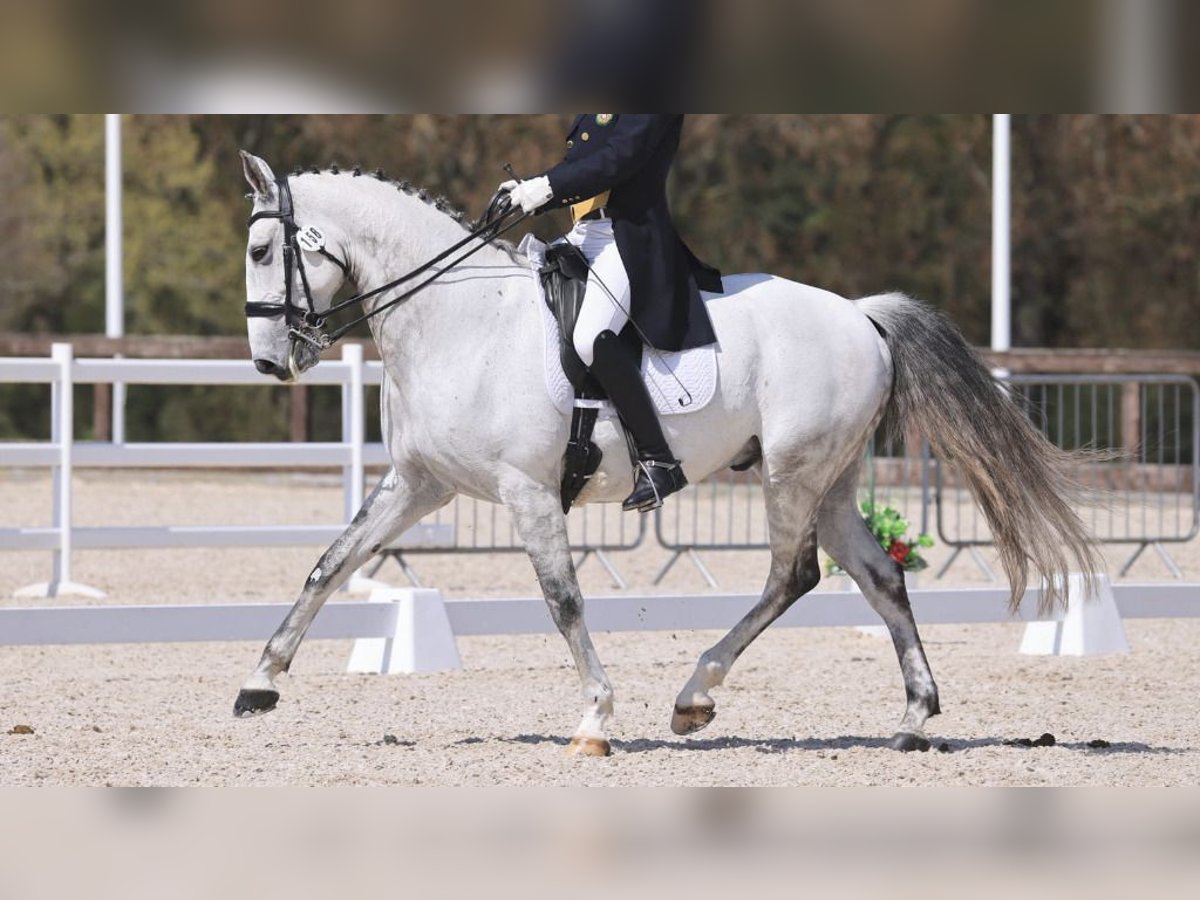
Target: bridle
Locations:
point(305, 323)
point(294, 315)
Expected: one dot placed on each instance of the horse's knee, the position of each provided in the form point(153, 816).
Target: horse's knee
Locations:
point(806, 576)
point(800, 578)
point(566, 611)
point(885, 579)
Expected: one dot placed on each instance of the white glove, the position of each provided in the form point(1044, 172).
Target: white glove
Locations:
point(531, 194)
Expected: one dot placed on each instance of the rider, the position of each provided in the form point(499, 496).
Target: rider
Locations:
point(614, 179)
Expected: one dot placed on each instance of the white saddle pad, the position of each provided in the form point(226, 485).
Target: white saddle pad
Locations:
point(678, 383)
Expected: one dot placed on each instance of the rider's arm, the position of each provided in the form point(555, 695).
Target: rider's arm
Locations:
point(626, 150)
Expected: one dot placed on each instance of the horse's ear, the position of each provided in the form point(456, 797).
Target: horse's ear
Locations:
point(259, 176)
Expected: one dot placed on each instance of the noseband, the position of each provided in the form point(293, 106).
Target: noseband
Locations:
point(305, 323)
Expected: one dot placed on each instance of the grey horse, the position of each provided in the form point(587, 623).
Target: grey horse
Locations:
point(804, 378)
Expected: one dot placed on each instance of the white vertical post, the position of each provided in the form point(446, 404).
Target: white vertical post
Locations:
point(62, 434)
point(114, 275)
point(354, 427)
point(1001, 233)
point(348, 509)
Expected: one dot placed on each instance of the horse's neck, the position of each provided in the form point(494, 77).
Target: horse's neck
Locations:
point(478, 307)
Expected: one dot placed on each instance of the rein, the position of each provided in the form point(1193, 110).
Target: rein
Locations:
point(306, 324)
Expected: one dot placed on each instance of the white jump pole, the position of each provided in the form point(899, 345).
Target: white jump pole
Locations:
point(1001, 234)
point(114, 275)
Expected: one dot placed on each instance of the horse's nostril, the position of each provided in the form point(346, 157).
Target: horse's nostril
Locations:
point(266, 367)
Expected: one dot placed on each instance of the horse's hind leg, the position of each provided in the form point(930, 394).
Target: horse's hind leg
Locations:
point(393, 506)
point(791, 513)
point(846, 538)
point(543, 528)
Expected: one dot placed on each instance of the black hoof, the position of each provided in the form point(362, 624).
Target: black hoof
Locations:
point(906, 742)
point(254, 702)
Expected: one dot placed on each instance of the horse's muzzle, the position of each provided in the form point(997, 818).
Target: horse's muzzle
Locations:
point(267, 367)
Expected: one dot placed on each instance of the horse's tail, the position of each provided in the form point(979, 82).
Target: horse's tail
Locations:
point(1020, 480)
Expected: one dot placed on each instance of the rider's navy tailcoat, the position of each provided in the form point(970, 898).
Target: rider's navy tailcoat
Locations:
point(630, 155)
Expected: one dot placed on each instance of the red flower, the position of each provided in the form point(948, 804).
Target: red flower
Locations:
point(899, 551)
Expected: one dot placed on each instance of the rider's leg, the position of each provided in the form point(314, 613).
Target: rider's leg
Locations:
point(658, 472)
point(604, 312)
point(606, 300)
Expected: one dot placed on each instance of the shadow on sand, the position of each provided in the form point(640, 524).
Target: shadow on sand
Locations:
point(847, 742)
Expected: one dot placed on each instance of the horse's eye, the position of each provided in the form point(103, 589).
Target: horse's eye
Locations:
point(258, 253)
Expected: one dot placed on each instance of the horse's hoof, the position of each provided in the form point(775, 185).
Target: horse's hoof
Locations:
point(254, 702)
point(690, 719)
point(588, 746)
point(906, 742)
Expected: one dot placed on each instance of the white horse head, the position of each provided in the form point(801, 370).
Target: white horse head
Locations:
point(314, 276)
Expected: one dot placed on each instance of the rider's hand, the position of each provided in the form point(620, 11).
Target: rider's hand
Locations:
point(506, 187)
point(530, 194)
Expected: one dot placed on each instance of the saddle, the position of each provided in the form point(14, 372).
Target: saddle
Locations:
point(564, 281)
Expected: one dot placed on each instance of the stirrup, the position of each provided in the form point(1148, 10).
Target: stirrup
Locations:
point(641, 501)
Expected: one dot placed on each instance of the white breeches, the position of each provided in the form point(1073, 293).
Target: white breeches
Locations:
point(602, 310)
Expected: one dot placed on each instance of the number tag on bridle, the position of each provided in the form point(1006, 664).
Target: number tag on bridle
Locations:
point(310, 239)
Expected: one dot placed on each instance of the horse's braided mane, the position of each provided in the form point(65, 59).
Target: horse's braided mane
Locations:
point(440, 203)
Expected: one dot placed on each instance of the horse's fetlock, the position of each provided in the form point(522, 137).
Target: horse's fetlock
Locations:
point(599, 695)
point(932, 705)
point(714, 671)
point(924, 701)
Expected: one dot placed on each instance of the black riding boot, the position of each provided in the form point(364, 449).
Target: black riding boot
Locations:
point(658, 472)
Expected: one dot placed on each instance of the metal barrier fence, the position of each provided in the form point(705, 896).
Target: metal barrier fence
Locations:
point(1142, 484)
point(726, 511)
point(723, 512)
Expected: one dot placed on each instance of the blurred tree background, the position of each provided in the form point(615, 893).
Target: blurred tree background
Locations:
point(1106, 219)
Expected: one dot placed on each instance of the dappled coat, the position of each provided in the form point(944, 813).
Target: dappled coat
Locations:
point(631, 156)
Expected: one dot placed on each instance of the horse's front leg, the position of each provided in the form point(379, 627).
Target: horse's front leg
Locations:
point(543, 528)
point(394, 506)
